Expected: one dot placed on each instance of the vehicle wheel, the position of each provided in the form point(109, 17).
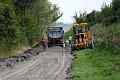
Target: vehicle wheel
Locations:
point(72, 48)
point(61, 45)
point(92, 45)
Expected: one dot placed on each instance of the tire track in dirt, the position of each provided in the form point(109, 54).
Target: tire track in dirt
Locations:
point(54, 72)
point(48, 65)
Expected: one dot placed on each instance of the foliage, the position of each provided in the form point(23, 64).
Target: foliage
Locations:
point(68, 33)
point(103, 62)
point(107, 37)
point(108, 15)
point(22, 22)
point(1, 10)
point(81, 18)
point(108, 33)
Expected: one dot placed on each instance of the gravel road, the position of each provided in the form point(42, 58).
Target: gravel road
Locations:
point(51, 64)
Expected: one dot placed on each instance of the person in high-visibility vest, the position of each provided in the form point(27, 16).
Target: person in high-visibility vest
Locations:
point(67, 43)
point(45, 41)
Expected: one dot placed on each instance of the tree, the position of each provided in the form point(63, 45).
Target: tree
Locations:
point(22, 22)
point(81, 18)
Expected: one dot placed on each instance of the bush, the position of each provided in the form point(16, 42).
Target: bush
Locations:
point(23, 21)
point(110, 20)
point(108, 37)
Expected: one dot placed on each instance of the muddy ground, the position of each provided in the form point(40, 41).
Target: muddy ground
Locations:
point(37, 64)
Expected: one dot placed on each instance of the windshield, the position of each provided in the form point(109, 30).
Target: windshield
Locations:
point(81, 29)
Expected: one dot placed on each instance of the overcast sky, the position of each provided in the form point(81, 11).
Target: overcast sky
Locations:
point(68, 7)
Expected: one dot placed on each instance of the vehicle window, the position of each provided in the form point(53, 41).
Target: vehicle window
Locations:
point(83, 29)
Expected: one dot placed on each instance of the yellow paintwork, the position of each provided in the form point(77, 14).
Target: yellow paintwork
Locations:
point(80, 25)
point(82, 43)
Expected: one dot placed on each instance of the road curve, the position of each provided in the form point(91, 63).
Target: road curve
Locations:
point(49, 65)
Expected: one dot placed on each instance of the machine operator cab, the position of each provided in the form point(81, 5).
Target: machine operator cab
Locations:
point(82, 36)
point(80, 28)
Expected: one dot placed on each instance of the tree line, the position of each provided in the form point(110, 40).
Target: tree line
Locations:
point(107, 27)
point(108, 15)
point(22, 22)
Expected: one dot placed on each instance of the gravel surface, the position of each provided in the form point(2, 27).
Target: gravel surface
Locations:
point(37, 64)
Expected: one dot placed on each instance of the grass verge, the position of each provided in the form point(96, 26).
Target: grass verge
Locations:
point(17, 50)
point(95, 64)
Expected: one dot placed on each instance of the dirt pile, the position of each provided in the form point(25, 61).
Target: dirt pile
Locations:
point(8, 63)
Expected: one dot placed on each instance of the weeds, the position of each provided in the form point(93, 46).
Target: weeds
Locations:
point(95, 64)
point(103, 62)
point(108, 38)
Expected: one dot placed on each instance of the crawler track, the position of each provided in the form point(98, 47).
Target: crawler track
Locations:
point(49, 65)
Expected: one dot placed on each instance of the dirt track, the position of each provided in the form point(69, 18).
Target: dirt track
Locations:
point(49, 65)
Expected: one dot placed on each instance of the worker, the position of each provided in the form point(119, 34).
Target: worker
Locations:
point(45, 41)
point(80, 30)
point(42, 42)
point(67, 43)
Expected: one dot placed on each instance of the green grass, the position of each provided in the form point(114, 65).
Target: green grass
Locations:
point(3, 55)
point(103, 62)
point(95, 64)
point(5, 52)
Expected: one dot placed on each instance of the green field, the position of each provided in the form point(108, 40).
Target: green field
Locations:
point(103, 62)
point(95, 64)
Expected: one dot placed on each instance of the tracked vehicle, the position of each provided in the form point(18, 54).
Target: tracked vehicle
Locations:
point(82, 36)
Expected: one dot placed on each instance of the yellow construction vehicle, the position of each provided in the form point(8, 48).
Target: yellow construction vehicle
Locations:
point(82, 36)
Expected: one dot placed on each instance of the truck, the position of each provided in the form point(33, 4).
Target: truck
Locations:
point(55, 36)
